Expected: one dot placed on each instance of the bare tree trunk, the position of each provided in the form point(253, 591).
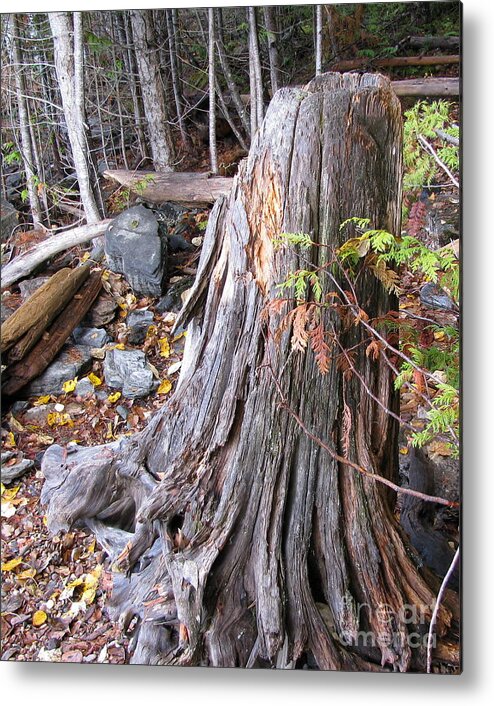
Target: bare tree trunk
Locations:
point(239, 541)
point(67, 46)
point(26, 143)
point(152, 90)
point(318, 39)
point(212, 92)
point(274, 62)
point(177, 92)
point(129, 57)
point(227, 73)
point(255, 74)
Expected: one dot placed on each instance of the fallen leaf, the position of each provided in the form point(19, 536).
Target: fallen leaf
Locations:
point(69, 385)
point(10, 565)
point(94, 379)
point(42, 400)
point(39, 618)
point(114, 397)
point(27, 574)
point(10, 440)
point(164, 347)
point(164, 387)
point(440, 448)
point(56, 419)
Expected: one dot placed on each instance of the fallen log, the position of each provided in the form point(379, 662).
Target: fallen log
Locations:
point(38, 359)
point(413, 87)
point(427, 87)
point(27, 324)
point(433, 42)
point(23, 265)
point(394, 61)
point(195, 189)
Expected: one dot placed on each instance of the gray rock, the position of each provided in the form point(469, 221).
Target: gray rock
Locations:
point(102, 312)
point(29, 286)
point(39, 414)
point(10, 473)
point(433, 297)
point(129, 372)
point(9, 218)
point(5, 312)
point(84, 387)
point(93, 337)
point(71, 362)
point(138, 323)
point(134, 248)
point(177, 243)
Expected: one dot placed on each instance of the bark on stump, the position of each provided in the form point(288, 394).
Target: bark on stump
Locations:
point(237, 541)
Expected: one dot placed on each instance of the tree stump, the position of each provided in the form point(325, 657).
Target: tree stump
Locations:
point(236, 540)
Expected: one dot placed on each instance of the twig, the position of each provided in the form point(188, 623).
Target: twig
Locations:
point(432, 152)
point(439, 599)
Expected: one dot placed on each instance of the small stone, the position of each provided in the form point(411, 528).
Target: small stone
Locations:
point(138, 323)
point(102, 312)
point(433, 297)
point(10, 473)
point(129, 372)
point(197, 241)
point(177, 243)
point(38, 415)
point(84, 387)
point(59, 407)
point(94, 337)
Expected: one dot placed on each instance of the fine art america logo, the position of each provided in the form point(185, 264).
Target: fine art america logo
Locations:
point(387, 626)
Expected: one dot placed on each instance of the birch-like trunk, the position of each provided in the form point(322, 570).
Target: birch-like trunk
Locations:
point(228, 75)
point(175, 73)
point(152, 91)
point(27, 152)
point(318, 39)
point(66, 30)
point(212, 92)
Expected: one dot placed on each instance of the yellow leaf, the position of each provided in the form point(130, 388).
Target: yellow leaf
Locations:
point(39, 618)
point(152, 330)
point(10, 440)
point(42, 400)
point(10, 565)
point(114, 397)
point(94, 379)
point(59, 420)
point(91, 548)
point(10, 493)
point(120, 346)
point(164, 347)
point(403, 450)
point(105, 275)
point(183, 334)
point(69, 385)
point(45, 439)
point(27, 574)
point(438, 335)
point(85, 257)
point(165, 387)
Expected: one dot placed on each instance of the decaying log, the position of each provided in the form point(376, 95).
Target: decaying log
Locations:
point(23, 265)
point(395, 61)
point(38, 359)
point(49, 306)
point(236, 540)
point(427, 87)
point(33, 316)
point(194, 189)
point(433, 42)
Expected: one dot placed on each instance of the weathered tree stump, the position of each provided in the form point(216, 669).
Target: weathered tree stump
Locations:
point(236, 540)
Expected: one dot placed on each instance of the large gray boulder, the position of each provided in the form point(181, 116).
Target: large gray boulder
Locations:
point(134, 248)
point(129, 372)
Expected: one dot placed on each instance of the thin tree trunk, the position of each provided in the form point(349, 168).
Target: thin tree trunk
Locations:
point(177, 92)
point(26, 143)
point(274, 62)
point(129, 57)
point(67, 46)
point(237, 541)
point(227, 73)
point(212, 92)
point(318, 39)
point(152, 90)
point(255, 70)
